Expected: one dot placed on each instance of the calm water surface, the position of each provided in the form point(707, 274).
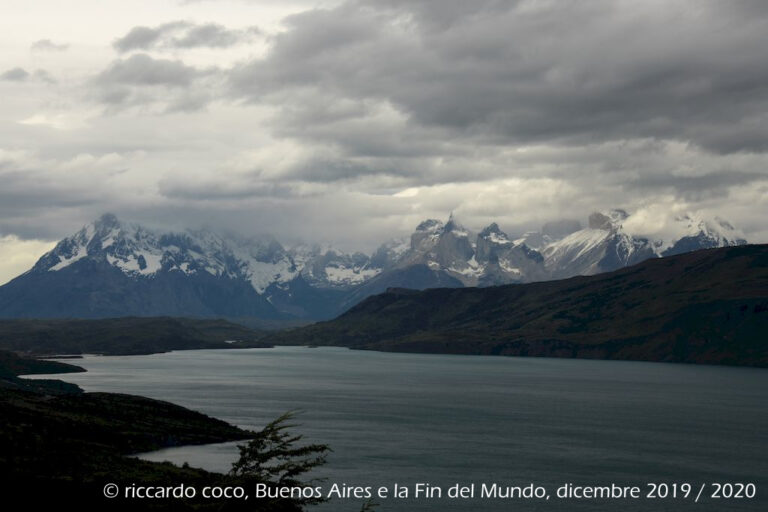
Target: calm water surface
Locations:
point(405, 418)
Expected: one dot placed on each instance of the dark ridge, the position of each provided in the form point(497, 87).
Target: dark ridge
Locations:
point(121, 336)
point(708, 306)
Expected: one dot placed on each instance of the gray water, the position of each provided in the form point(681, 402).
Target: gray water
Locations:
point(439, 419)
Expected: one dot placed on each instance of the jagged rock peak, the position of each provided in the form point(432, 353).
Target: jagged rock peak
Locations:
point(492, 228)
point(430, 225)
point(493, 233)
point(455, 227)
point(316, 281)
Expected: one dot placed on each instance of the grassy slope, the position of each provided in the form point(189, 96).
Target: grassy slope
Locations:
point(119, 336)
point(705, 307)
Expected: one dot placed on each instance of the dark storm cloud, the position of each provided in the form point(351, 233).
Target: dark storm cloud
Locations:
point(362, 130)
point(46, 45)
point(144, 80)
point(27, 196)
point(444, 14)
point(182, 34)
point(15, 75)
point(22, 75)
point(321, 170)
point(141, 69)
point(141, 38)
point(389, 111)
point(216, 190)
point(44, 76)
point(213, 35)
point(565, 73)
point(697, 188)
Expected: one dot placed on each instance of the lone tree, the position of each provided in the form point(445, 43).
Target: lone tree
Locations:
point(275, 458)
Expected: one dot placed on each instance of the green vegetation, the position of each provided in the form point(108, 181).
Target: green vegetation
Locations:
point(122, 336)
point(275, 459)
point(707, 306)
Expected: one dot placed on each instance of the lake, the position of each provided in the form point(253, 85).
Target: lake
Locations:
point(443, 419)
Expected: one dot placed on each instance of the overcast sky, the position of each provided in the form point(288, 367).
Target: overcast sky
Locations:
point(350, 121)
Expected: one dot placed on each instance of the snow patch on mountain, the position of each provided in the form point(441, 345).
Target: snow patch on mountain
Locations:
point(691, 228)
point(349, 276)
point(508, 268)
point(64, 261)
point(560, 249)
point(576, 245)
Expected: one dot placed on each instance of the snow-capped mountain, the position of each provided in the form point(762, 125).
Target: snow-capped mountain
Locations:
point(601, 247)
point(489, 257)
point(692, 233)
point(446, 247)
point(505, 261)
point(139, 252)
point(262, 261)
point(325, 266)
point(561, 249)
point(390, 253)
point(606, 245)
point(112, 268)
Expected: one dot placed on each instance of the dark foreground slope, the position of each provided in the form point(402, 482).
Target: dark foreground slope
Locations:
point(120, 336)
point(709, 306)
point(60, 446)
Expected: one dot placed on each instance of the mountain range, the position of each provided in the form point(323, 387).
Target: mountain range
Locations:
point(111, 268)
point(706, 306)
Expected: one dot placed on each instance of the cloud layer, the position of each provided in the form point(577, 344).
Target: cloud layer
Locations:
point(353, 121)
point(183, 35)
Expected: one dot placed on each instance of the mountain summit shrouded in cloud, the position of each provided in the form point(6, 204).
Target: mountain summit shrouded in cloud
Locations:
point(111, 268)
point(355, 119)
